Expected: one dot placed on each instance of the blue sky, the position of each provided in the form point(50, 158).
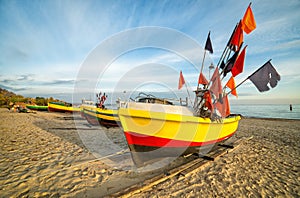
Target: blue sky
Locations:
point(44, 44)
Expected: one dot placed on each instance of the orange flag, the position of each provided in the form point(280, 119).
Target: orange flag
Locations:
point(227, 106)
point(202, 80)
point(181, 81)
point(248, 21)
point(231, 84)
point(239, 63)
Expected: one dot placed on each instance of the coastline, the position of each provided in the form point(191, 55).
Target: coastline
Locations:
point(43, 155)
point(269, 119)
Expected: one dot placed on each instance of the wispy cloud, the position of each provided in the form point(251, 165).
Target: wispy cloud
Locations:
point(60, 82)
point(14, 89)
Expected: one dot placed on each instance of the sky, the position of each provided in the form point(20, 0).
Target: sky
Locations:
point(58, 48)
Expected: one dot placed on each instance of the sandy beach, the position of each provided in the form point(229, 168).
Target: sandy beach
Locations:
point(43, 155)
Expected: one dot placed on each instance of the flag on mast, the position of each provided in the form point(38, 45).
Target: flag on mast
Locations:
point(239, 63)
point(202, 80)
point(208, 45)
point(223, 106)
point(231, 85)
point(265, 75)
point(238, 37)
point(181, 81)
point(207, 98)
point(230, 63)
point(248, 21)
point(216, 86)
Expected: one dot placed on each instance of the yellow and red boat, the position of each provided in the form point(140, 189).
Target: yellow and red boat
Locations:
point(62, 107)
point(158, 130)
point(96, 116)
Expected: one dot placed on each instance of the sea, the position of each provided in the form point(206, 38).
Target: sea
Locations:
point(281, 111)
point(267, 110)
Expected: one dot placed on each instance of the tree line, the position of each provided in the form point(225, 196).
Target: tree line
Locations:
point(7, 98)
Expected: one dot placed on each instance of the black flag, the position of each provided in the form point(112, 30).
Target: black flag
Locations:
point(208, 45)
point(227, 68)
point(265, 75)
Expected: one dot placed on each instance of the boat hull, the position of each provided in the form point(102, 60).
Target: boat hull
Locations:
point(55, 107)
point(37, 108)
point(154, 130)
point(104, 117)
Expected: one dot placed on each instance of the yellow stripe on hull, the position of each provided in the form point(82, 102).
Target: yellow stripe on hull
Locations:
point(107, 114)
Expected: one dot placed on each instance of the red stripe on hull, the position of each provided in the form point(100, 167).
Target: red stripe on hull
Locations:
point(152, 141)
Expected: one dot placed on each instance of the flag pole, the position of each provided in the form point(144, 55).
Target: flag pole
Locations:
point(208, 37)
point(238, 85)
point(203, 61)
point(187, 90)
point(234, 60)
point(201, 67)
point(226, 48)
point(249, 77)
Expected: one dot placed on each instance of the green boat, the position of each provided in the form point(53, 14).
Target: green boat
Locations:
point(37, 107)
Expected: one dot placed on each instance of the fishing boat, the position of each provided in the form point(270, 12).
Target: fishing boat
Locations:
point(158, 130)
point(37, 107)
point(62, 107)
point(97, 113)
point(96, 116)
point(155, 130)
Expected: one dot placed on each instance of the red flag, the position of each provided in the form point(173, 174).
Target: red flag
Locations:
point(207, 99)
point(202, 80)
point(239, 63)
point(231, 84)
point(238, 36)
point(248, 22)
point(216, 86)
point(223, 106)
point(181, 81)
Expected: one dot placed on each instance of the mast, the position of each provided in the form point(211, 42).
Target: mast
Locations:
point(226, 49)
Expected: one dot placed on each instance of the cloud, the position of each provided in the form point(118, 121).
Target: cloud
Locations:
point(26, 77)
point(60, 82)
point(7, 81)
point(13, 88)
point(17, 79)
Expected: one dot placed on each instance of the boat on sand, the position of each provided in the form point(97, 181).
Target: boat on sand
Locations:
point(62, 107)
point(156, 130)
point(95, 116)
point(37, 107)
